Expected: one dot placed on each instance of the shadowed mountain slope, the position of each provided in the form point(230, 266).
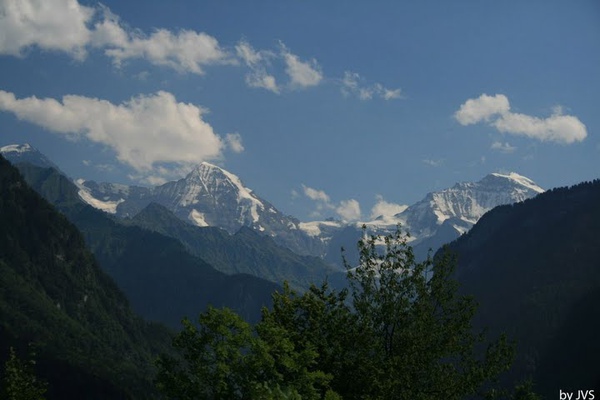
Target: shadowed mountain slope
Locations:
point(534, 268)
point(53, 295)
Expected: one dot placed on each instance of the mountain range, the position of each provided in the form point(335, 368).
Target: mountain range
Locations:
point(207, 196)
point(437, 219)
point(211, 196)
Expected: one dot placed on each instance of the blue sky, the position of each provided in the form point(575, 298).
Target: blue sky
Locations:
point(323, 108)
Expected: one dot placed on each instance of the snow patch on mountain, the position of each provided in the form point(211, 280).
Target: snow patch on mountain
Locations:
point(319, 228)
point(245, 193)
point(104, 205)
point(16, 148)
point(197, 218)
point(18, 153)
point(521, 180)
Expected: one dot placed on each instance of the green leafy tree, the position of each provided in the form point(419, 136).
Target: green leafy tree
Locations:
point(223, 358)
point(19, 381)
point(422, 343)
point(401, 332)
point(214, 358)
point(321, 320)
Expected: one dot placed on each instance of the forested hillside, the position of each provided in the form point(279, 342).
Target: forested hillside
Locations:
point(53, 295)
point(534, 268)
point(160, 278)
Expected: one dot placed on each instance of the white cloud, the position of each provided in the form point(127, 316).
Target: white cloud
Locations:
point(234, 141)
point(556, 128)
point(503, 147)
point(482, 109)
point(353, 84)
point(257, 61)
point(57, 25)
point(144, 132)
point(302, 74)
point(349, 210)
point(389, 94)
point(433, 163)
point(386, 209)
point(154, 180)
point(314, 194)
point(64, 25)
point(185, 51)
point(495, 110)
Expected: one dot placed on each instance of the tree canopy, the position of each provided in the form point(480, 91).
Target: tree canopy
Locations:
point(402, 331)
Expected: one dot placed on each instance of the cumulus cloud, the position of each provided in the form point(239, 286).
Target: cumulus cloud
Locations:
point(145, 131)
point(69, 27)
point(386, 209)
point(65, 25)
point(56, 25)
point(349, 210)
point(184, 51)
point(257, 62)
point(495, 110)
point(482, 109)
point(314, 194)
point(503, 147)
point(353, 84)
point(302, 74)
point(556, 128)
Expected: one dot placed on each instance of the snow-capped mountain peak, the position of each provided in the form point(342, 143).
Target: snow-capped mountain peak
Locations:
point(468, 201)
point(439, 217)
point(520, 180)
point(17, 153)
point(16, 148)
point(209, 181)
point(207, 196)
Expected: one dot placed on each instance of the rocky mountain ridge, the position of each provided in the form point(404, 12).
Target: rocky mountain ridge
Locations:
point(211, 196)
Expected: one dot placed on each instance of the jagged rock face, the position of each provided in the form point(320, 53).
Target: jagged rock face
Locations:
point(437, 219)
point(212, 196)
point(466, 202)
point(207, 196)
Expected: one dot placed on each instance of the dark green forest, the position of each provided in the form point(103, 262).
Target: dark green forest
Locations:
point(55, 297)
point(534, 268)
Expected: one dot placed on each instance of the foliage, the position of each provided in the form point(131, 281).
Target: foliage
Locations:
point(222, 359)
point(420, 328)
point(19, 381)
point(402, 333)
